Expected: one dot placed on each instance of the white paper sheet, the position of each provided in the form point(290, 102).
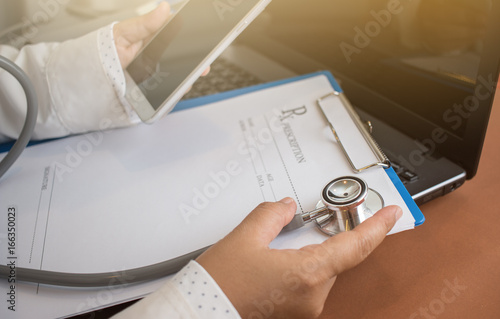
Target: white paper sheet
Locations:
point(109, 201)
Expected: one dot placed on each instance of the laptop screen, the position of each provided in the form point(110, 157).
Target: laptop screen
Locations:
point(426, 67)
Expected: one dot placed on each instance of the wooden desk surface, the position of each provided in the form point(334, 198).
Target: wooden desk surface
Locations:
point(447, 268)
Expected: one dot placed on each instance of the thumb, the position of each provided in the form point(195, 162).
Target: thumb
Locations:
point(348, 249)
point(265, 222)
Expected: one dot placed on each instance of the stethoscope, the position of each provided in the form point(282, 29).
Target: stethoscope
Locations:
point(345, 203)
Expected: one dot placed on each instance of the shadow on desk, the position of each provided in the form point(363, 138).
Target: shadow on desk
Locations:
point(104, 313)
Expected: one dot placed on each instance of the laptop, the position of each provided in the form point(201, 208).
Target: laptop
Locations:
point(426, 91)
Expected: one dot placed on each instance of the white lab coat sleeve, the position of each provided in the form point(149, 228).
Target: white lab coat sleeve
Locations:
point(73, 84)
point(191, 293)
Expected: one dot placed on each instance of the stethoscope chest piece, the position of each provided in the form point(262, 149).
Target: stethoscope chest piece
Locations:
point(349, 202)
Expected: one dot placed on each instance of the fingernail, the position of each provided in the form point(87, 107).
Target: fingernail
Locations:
point(398, 213)
point(286, 200)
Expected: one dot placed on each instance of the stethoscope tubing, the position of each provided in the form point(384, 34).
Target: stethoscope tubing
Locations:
point(122, 277)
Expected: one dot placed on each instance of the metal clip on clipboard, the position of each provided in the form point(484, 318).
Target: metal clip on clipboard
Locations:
point(382, 159)
point(346, 201)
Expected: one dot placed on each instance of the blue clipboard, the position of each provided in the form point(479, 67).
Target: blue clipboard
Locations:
point(197, 102)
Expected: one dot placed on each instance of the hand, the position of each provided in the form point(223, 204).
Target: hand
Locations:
point(263, 282)
point(130, 35)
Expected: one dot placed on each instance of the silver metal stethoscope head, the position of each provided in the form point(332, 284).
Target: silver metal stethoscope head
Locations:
point(345, 203)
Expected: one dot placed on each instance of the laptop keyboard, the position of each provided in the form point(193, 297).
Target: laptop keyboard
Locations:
point(405, 174)
point(223, 76)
